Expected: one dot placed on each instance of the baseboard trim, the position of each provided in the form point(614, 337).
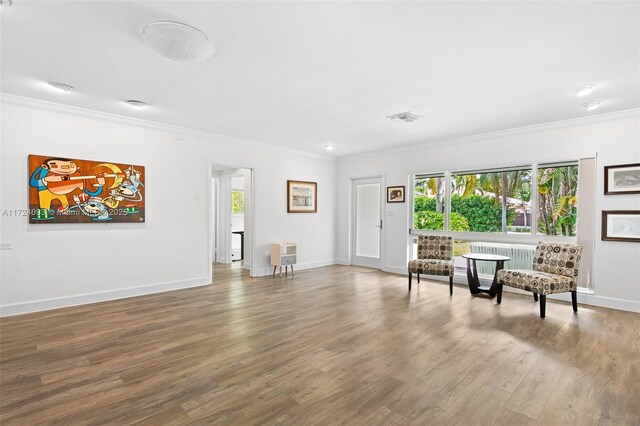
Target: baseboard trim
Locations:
point(395, 269)
point(263, 272)
point(583, 298)
point(600, 301)
point(84, 299)
point(104, 296)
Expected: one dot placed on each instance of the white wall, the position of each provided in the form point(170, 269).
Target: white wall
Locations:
point(616, 140)
point(60, 265)
point(248, 206)
point(237, 181)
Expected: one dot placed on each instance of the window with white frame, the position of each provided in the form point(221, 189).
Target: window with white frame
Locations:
point(506, 210)
point(491, 201)
point(557, 199)
point(499, 201)
point(428, 202)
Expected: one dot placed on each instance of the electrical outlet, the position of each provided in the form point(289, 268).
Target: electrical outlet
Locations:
point(6, 246)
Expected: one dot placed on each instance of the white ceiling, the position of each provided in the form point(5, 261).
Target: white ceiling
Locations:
point(307, 74)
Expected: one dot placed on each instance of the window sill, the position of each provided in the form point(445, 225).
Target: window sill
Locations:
point(498, 237)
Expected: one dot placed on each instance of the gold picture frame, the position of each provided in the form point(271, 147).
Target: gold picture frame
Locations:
point(302, 196)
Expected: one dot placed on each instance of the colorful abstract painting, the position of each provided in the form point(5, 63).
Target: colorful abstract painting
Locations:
point(68, 190)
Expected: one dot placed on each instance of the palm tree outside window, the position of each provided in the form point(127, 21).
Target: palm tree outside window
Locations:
point(237, 202)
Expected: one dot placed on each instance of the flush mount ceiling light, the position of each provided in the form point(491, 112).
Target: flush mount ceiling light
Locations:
point(6, 3)
point(584, 90)
point(136, 104)
point(178, 42)
point(329, 147)
point(60, 86)
point(591, 105)
point(405, 117)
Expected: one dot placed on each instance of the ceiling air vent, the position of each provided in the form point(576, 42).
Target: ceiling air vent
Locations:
point(406, 117)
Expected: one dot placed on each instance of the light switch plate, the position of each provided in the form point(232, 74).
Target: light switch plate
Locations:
point(6, 246)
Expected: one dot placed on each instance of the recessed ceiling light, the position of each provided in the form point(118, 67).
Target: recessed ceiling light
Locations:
point(136, 104)
point(591, 105)
point(178, 42)
point(329, 147)
point(60, 86)
point(584, 90)
point(405, 117)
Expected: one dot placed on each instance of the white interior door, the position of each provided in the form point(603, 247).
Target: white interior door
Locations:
point(223, 217)
point(367, 223)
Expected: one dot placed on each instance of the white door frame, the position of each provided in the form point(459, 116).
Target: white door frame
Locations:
point(223, 219)
point(250, 243)
point(352, 215)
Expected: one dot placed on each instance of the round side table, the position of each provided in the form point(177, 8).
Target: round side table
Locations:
point(472, 272)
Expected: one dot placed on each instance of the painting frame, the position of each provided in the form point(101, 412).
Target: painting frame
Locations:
point(629, 235)
point(68, 190)
point(396, 194)
point(631, 175)
point(302, 196)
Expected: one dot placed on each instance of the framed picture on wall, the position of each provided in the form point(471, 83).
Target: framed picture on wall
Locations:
point(621, 225)
point(395, 194)
point(302, 197)
point(622, 179)
point(70, 190)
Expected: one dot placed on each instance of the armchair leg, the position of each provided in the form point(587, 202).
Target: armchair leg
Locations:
point(499, 294)
point(451, 285)
point(574, 300)
point(418, 277)
point(535, 296)
point(410, 279)
point(543, 300)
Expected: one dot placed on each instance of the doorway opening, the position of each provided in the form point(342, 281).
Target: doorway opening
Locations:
point(231, 221)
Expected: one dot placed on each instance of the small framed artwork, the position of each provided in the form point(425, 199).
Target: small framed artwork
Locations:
point(622, 179)
point(395, 194)
point(621, 225)
point(302, 197)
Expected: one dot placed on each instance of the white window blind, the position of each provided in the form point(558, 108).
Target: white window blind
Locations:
point(586, 223)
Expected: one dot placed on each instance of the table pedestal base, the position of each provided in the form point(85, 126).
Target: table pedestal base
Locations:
point(474, 281)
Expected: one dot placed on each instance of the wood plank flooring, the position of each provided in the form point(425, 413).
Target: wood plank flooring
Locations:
point(334, 345)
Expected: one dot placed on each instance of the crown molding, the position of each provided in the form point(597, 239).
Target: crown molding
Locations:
point(500, 133)
point(85, 112)
point(155, 125)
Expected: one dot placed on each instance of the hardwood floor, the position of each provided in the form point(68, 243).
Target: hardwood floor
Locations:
point(328, 346)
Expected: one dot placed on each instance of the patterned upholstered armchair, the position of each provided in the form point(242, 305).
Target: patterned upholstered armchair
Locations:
point(555, 270)
point(435, 257)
